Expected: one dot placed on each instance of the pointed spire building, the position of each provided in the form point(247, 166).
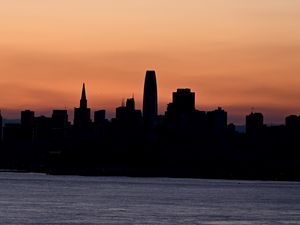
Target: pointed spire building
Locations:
point(82, 115)
point(83, 100)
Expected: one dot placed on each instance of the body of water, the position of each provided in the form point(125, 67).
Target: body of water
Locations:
point(44, 199)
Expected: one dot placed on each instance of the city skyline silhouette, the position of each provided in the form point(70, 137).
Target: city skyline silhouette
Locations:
point(183, 142)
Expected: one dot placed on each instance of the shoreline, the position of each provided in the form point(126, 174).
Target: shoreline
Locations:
point(132, 175)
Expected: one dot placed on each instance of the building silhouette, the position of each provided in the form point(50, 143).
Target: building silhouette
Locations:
point(43, 127)
point(184, 100)
point(27, 124)
point(254, 123)
point(292, 123)
point(182, 117)
point(183, 103)
point(128, 114)
point(150, 98)
point(59, 122)
point(82, 115)
point(217, 121)
point(99, 116)
point(60, 119)
point(27, 118)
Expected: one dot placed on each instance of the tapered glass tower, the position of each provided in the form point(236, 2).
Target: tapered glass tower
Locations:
point(150, 97)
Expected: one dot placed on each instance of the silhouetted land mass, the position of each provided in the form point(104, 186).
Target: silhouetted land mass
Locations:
point(184, 142)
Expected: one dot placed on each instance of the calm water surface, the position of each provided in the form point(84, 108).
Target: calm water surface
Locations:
point(44, 199)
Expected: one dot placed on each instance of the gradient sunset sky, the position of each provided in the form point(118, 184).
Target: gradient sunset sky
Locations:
point(237, 54)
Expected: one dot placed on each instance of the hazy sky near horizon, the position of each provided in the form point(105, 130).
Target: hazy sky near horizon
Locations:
point(237, 54)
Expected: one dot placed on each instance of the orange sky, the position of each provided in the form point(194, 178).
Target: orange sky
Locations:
point(233, 53)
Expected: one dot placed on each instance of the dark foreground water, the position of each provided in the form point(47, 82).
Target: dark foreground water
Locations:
point(43, 199)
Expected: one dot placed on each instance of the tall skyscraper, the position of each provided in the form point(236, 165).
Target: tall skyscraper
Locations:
point(150, 97)
point(82, 115)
